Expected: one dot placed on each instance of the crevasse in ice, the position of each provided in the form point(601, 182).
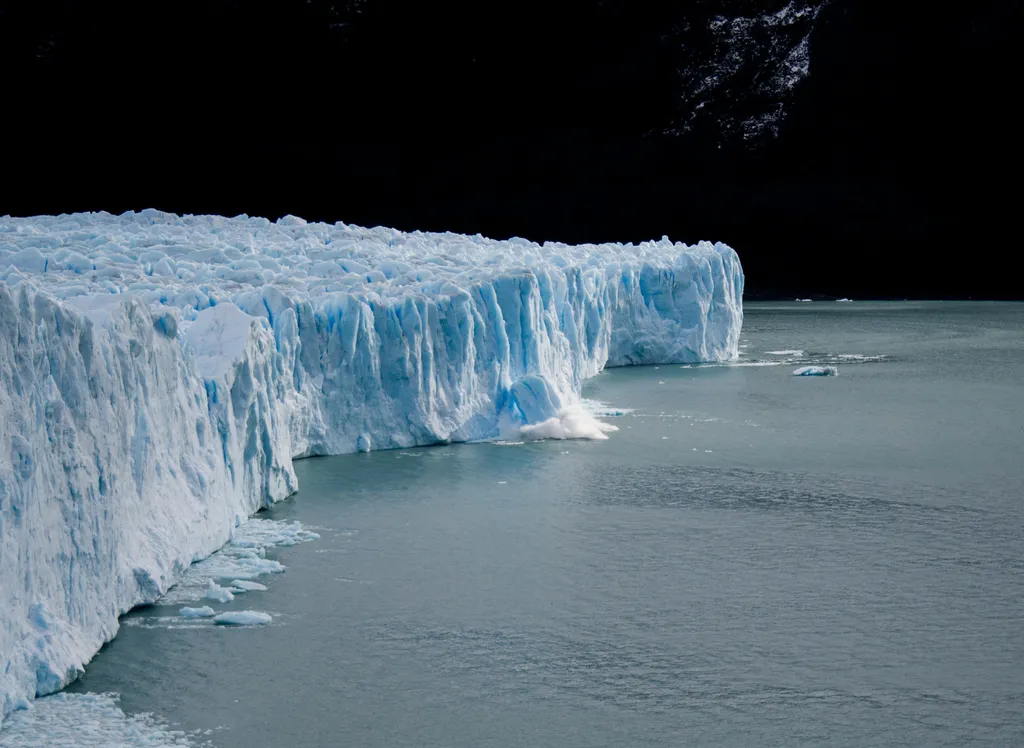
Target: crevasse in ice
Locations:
point(158, 375)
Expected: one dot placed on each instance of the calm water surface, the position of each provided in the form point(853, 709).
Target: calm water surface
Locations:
point(752, 559)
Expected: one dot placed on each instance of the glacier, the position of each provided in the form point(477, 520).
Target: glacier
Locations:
point(160, 373)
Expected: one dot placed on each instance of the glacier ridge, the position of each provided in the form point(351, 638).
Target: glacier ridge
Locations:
point(159, 373)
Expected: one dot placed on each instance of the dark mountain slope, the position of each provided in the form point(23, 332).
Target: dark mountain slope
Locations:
point(846, 147)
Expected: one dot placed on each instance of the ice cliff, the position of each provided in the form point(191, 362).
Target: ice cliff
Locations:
point(159, 373)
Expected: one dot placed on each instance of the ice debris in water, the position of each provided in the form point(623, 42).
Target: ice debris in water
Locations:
point(217, 593)
point(90, 720)
point(166, 370)
point(242, 618)
point(248, 586)
point(603, 410)
point(204, 612)
point(816, 371)
point(242, 559)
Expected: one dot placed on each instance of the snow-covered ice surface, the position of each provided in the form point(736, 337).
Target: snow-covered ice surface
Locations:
point(90, 721)
point(159, 373)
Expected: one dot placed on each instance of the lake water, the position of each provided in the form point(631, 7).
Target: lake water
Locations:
point(752, 559)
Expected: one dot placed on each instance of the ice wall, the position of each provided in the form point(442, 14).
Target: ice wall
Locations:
point(158, 374)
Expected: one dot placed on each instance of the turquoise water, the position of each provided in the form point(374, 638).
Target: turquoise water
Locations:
point(752, 559)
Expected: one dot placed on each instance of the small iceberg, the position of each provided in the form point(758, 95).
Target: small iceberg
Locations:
point(246, 586)
point(204, 612)
point(218, 594)
point(243, 618)
point(802, 299)
point(816, 371)
point(843, 301)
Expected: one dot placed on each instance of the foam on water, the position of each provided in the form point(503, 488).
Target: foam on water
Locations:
point(573, 422)
point(860, 357)
point(600, 409)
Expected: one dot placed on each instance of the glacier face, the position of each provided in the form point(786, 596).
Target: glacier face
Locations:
point(159, 373)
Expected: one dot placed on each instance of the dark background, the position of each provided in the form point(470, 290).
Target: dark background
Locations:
point(895, 174)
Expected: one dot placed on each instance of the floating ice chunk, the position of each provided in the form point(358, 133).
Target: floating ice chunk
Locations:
point(804, 300)
point(242, 618)
point(841, 301)
point(245, 584)
point(816, 371)
point(217, 593)
point(204, 612)
point(788, 352)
